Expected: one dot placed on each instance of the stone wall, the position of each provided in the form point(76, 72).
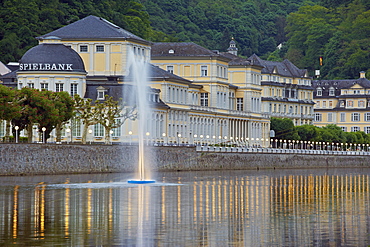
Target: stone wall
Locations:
point(32, 159)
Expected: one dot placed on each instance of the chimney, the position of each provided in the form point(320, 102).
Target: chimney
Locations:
point(362, 74)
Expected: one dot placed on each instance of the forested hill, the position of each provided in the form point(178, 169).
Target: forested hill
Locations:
point(336, 30)
point(257, 25)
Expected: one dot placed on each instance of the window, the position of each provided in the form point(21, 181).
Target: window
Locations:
point(2, 128)
point(356, 91)
point(349, 103)
point(101, 95)
point(31, 85)
point(58, 87)
point(331, 91)
point(330, 117)
point(83, 48)
point(330, 104)
point(44, 86)
point(367, 130)
point(204, 99)
point(355, 117)
point(239, 104)
point(73, 89)
point(100, 48)
point(324, 104)
point(355, 129)
point(203, 71)
point(98, 130)
point(317, 104)
point(342, 116)
point(117, 131)
point(344, 129)
point(319, 91)
point(318, 117)
point(170, 68)
point(367, 116)
point(76, 127)
point(361, 103)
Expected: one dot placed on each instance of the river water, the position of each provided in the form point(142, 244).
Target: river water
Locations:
point(316, 207)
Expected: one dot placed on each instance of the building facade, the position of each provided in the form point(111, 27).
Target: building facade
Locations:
point(197, 95)
point(345, 103)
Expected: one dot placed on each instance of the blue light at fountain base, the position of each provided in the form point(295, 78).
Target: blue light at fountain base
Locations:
point(141, 181)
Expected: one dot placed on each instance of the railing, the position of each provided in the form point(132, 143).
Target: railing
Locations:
point(276, 151)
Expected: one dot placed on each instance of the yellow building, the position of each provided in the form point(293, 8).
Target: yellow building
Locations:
point(344, 103)
point(216, 110)
point(198, 95)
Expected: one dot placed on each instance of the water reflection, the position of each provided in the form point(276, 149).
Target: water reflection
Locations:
point(243, 208)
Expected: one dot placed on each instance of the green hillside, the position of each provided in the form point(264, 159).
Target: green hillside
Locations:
point(336, 30)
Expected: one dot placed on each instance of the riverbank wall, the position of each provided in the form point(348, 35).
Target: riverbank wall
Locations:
point(39, 159)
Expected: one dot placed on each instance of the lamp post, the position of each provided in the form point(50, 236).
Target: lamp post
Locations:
point(16, 133)
point(207, 137)
point(195, 139)
point(147, 138)
point(178, 139)
point(214, 140)
point(130, 134)
point(164, 137)
point(90, 134)
point(43, 134)
point(68, 130)
point(110, 136)
point(225, 137)
point(201, 140)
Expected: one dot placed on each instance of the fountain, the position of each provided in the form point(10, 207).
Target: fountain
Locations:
point(138, 68)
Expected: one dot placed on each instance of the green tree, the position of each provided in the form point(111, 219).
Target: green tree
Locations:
point(112, 114)
point(9, 107)
point(284, 128)
point(87, 113)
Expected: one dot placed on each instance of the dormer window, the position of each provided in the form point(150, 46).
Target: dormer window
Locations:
point(171, 51)
point(101, 92)
point(331, 91)
point(319, 91)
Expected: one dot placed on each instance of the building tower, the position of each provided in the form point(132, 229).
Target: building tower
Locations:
point(232, 48)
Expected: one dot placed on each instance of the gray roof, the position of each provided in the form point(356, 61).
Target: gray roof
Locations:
point(92, 27)
point(236, 60)
point(284, 68)
point(181, 49)
point(52, 53)
point(338, 85)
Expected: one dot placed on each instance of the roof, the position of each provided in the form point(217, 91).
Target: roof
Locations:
point(284, 68)
point(4, 69)
point(236, 60)
point(46, 55)
point(341, 84)
point(92, 27)
point(125, 92)
point(182, 49)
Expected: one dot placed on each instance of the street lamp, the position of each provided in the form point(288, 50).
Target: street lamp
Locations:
point(201, 140)
point(164, 137)
point(178, 139)
point(16, 133)
point(90, 132)
point(147, 138)
point(43, 134)
point(68, 130)
point(130, 134)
